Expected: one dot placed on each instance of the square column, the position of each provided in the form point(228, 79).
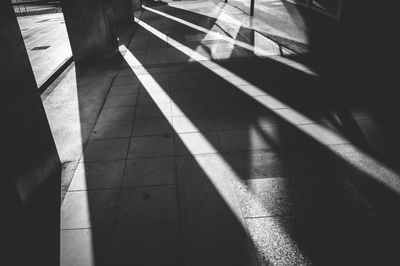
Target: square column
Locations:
point(123, 11)
point(91, 29)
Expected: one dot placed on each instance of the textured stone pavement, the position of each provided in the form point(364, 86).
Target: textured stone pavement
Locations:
point(46, 41)
point(206, 152)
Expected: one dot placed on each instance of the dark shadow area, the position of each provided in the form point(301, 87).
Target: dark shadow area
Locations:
point(331, 177)
point(121, 232)
point(329, 209)
point(300, 91)
point(30, 169)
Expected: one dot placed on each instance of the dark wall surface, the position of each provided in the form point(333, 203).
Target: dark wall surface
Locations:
point(123, 11)
point(91, 29)
point(30, 172)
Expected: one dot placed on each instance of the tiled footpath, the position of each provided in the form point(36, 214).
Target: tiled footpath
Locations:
point(195, 161)
point(47, 44)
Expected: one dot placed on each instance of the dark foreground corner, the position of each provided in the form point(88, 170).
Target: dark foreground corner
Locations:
point(30, 177)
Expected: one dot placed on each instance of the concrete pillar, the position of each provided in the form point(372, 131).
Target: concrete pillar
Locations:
point(91, 29)
point(30, 166)
point(137, 4)
point(123, 12)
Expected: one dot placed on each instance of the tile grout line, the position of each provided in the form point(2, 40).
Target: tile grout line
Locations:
point(82, 155)
point(178, 199)
point(116, 188)
point(117, 226)
point(126, 158)
point(142, 90)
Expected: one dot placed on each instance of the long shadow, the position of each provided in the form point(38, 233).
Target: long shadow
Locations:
point(330, 210)
point(93, 223)
point(327, 55)
point(216, 237)
point(300, 91)
point(321, 159)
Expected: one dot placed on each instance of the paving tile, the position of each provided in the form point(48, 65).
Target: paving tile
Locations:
point(188, 95)
point(106, 130)
point(153, 171)
point(237, 81)
point(106, 149)
point(160, 110)
point(147, 127)
point(175, 56)
point(156, 58)
point(97, 175)
point(336, 195)
point(187, 109)
point(160, 78)
point(271, 176)
point(308, 165)
point(243, 139)
point(126, 79)
point(196, 143)
point(268, 197)
point(283, 137)
point(89, 209)
point(120, 100)
point(194, 37)
point(223, 92)
point(269, 102)
point(155, 42)
point(156, 49)
point(139, 62)
point(151, 146)
point(224, 122)
point(46, 33)
point(116, 114)
point(226, 107)
point(290, 116)
point(180, 84)
point(209, 224)
point(359, 113)
point(276, 242)
point(150, 85)
point(124, 89)
point(374, 134)
point(148, 205)
point(258, 120)
point(147, 245)
point(264, 47)
point(183, 124)
point(323, 135)
point(138, 47)
point(156, 97)
point(139, 42)
point(86, 247)
point(297, 165)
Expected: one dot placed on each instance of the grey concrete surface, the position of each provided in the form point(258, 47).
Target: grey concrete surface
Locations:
point(222, 165)
point(46, 42)
point(91, 30)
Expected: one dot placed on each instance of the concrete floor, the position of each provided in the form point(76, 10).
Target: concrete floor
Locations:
point(46, 41)
point(204, 147)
